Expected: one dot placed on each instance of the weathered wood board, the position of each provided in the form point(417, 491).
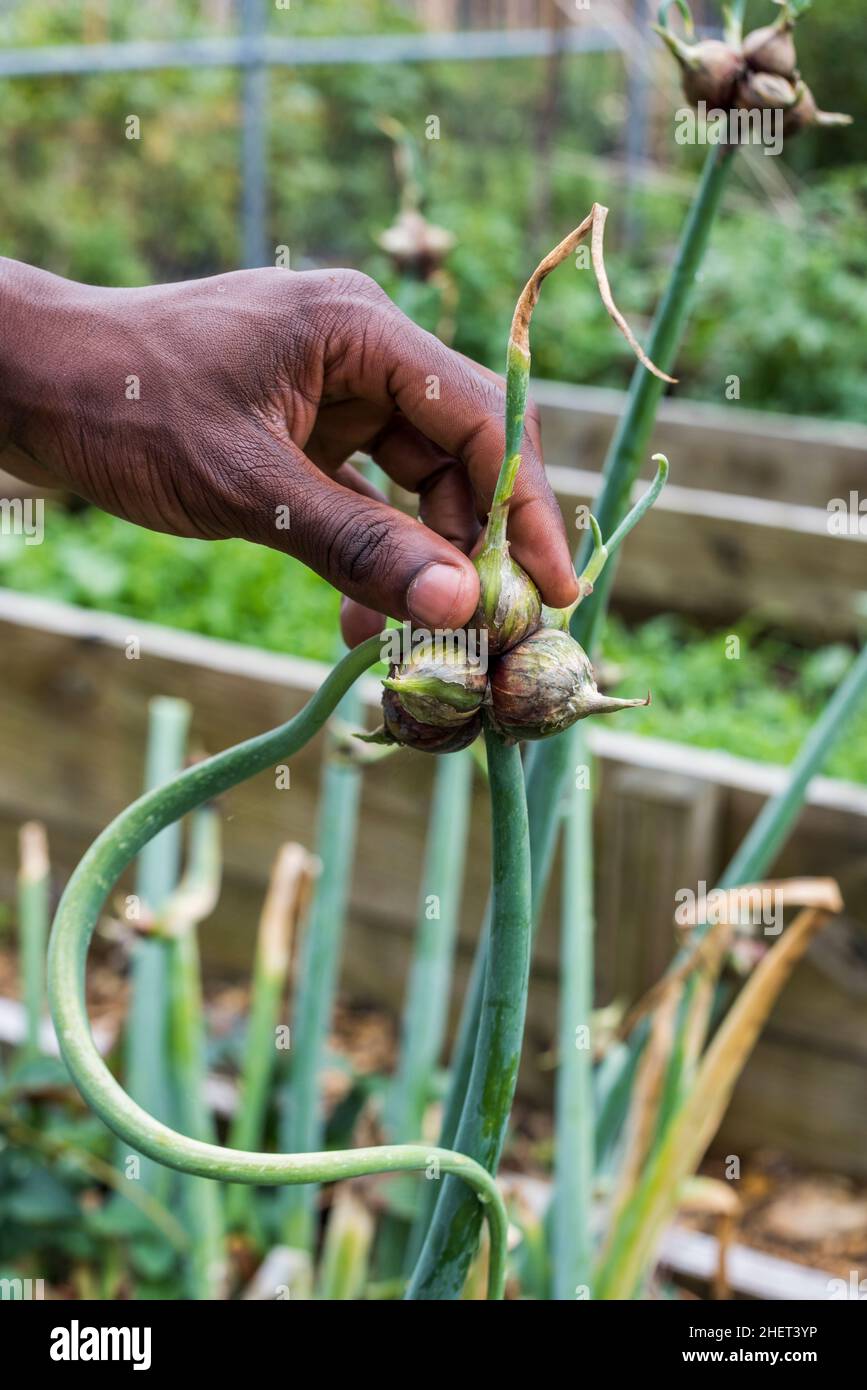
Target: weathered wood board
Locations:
point(743, 525)
point(715, 448)
point(73, 713)
point(718, 555)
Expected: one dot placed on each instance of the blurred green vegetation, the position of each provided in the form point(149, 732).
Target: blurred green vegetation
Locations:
point(228, 589)
point(759, 705)
point(783, 301)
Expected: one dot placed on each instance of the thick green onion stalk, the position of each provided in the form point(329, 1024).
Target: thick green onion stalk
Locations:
point(74, 925)
point(547, 764)
point(192, 901)
point(34, 886)
point(488, 1050)
point(451, 1239)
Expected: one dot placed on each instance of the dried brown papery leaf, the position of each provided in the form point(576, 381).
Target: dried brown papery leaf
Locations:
point(594, 223)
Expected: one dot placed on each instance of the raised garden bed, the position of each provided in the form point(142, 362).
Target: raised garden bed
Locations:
point(667, 817)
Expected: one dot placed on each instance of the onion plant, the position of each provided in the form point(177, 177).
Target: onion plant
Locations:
point(301, 1124)
point(574, 1154)
point(285, 902)
point(547, 765)
point(192, 901)
point(654, 1169)
point(146, 1063)
point(74, 924)
point(33, 893)
point(539, 685)
point(437, 707)
point(425, 1011)
point(346, 1248)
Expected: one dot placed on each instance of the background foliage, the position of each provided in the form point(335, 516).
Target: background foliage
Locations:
point(81, 199)
point(759, 706)
point(783, 302)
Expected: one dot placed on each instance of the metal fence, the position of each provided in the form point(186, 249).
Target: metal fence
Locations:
point(253, 52)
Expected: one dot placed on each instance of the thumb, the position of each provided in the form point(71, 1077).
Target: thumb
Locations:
point(371, 552)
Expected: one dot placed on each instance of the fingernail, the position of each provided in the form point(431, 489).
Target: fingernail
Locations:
point(433, 594)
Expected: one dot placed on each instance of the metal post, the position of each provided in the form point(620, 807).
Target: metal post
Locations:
point(638, 112)
point(254, 136)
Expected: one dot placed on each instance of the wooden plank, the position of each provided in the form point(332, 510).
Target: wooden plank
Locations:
point(72, 726)
point(719, 448)
point(803, 1100)
point(752, 1273)
point(718, 556)
point(665, 825)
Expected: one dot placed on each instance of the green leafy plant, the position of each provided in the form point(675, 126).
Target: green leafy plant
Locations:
point(665, 1085)
point(450, 1243)
point(77, 916)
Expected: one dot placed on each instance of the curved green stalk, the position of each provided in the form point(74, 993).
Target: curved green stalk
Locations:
point(74, 925)
point(688, 23)
point(193, 900)
point(641, 507)
point(602, 550)
point(451, 1240)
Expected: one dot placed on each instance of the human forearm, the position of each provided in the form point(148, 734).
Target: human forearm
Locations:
point(42, 328)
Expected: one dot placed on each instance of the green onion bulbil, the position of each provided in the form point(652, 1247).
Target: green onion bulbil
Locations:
point(538, 685)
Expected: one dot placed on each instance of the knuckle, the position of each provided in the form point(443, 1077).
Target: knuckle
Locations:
point(237, 479)
point(335, 305)
point(361, 548)
point(363, 287)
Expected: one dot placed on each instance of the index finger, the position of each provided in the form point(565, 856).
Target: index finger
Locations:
point(460, 406)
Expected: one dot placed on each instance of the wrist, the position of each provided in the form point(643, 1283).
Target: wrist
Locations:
point(41, 329)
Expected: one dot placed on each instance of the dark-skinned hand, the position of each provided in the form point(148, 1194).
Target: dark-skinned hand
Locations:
point(230, 406)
